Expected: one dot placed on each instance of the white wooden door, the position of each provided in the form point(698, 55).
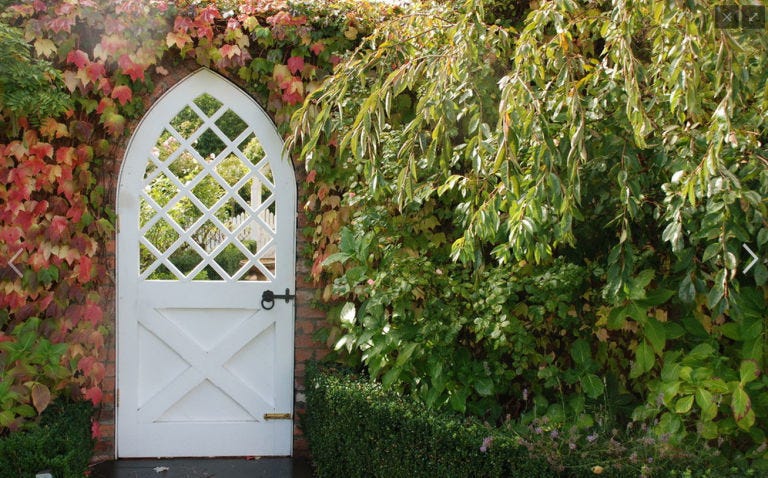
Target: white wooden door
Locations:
point(206, 208)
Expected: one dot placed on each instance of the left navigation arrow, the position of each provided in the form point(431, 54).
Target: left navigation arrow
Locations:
point(10, 263)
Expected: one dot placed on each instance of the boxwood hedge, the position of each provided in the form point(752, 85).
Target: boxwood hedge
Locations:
point(61, 443)
point(356, 429)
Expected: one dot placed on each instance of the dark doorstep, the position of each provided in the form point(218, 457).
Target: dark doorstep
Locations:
point(204, 468)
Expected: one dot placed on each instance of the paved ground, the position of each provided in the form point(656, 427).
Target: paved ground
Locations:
point(204, 468)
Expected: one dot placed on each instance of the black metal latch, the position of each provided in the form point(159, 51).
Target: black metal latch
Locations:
point(268, 298)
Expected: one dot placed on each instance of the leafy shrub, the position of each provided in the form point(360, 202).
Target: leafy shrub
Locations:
point(356, 428)
point(60, 443)
point(586, 211)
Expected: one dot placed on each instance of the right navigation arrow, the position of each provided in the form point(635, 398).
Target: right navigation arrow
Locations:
point(754, 260)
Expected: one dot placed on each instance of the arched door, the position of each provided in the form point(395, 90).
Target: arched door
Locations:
point(206, 215)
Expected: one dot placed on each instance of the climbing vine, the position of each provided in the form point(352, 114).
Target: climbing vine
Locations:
point(73, 75)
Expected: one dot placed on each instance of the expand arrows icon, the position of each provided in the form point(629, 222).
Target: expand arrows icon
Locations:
point(754, 259)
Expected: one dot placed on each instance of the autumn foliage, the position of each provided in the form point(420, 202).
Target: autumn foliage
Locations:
point(89, 67)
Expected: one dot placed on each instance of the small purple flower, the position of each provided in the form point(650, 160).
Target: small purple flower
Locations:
point(554, 434)
point(538, 430)
point(591, 438)
point(571, 445)
point(487, 441)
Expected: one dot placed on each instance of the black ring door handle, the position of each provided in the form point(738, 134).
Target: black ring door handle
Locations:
point(268, 298)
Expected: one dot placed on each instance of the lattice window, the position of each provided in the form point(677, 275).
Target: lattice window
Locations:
point(207, 208)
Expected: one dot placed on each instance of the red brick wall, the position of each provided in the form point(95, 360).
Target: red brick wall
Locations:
point(308, 320)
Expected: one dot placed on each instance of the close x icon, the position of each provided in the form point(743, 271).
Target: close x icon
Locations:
point(744, 16)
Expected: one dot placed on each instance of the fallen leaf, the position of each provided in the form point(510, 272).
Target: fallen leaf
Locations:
point(160, 469)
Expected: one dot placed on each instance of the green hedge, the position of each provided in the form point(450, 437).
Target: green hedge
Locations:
point(61, 444)
point(357, 430)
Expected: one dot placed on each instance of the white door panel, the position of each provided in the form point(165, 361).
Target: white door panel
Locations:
point(207, 224)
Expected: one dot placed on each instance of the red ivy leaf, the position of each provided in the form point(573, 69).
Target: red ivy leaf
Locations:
point(61, 24)
point(209, 14)
point(122, 94)
point(114, 123)
point(86, 364)
point(179, 39)
point(65, 154)
point(281, 75)
point(95, 430)
point(233, 24)
point(229, 51)
point(78, 57)
point(84, 275)
point(92, 312)
point(94, 71)
point(130, 68)
point(67, 188)
point(41, 150)
point(294, 93)
point(57, 227)
point(104, 104)
point(50, 128)
point(317, 48)
point(94, 394)
point(182, 24)
point(295, 64)
point(10, 234)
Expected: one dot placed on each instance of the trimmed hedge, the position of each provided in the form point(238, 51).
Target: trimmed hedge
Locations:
point(355, 429)
point(61, 444)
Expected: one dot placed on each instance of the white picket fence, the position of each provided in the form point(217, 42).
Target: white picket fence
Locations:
point(252, 232)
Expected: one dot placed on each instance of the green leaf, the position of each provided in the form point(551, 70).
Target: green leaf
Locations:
point(706, 403)
point(391, 376)
point(655, 334)
point(484, 386)
point(687, 290)
point(644, 359)
point(711, 251)
point(581, 353)
point(699, 354)
point(592, 385)
point(684, 404)
point(718, 290)
point(708, 430)
point(404, 353)
point(742, 408)
point(347, 315)
point(748, 371)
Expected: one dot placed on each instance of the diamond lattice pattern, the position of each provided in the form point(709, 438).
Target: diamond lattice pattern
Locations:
point(207, 210)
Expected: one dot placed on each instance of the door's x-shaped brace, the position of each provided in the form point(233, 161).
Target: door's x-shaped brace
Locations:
point(204, 365)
